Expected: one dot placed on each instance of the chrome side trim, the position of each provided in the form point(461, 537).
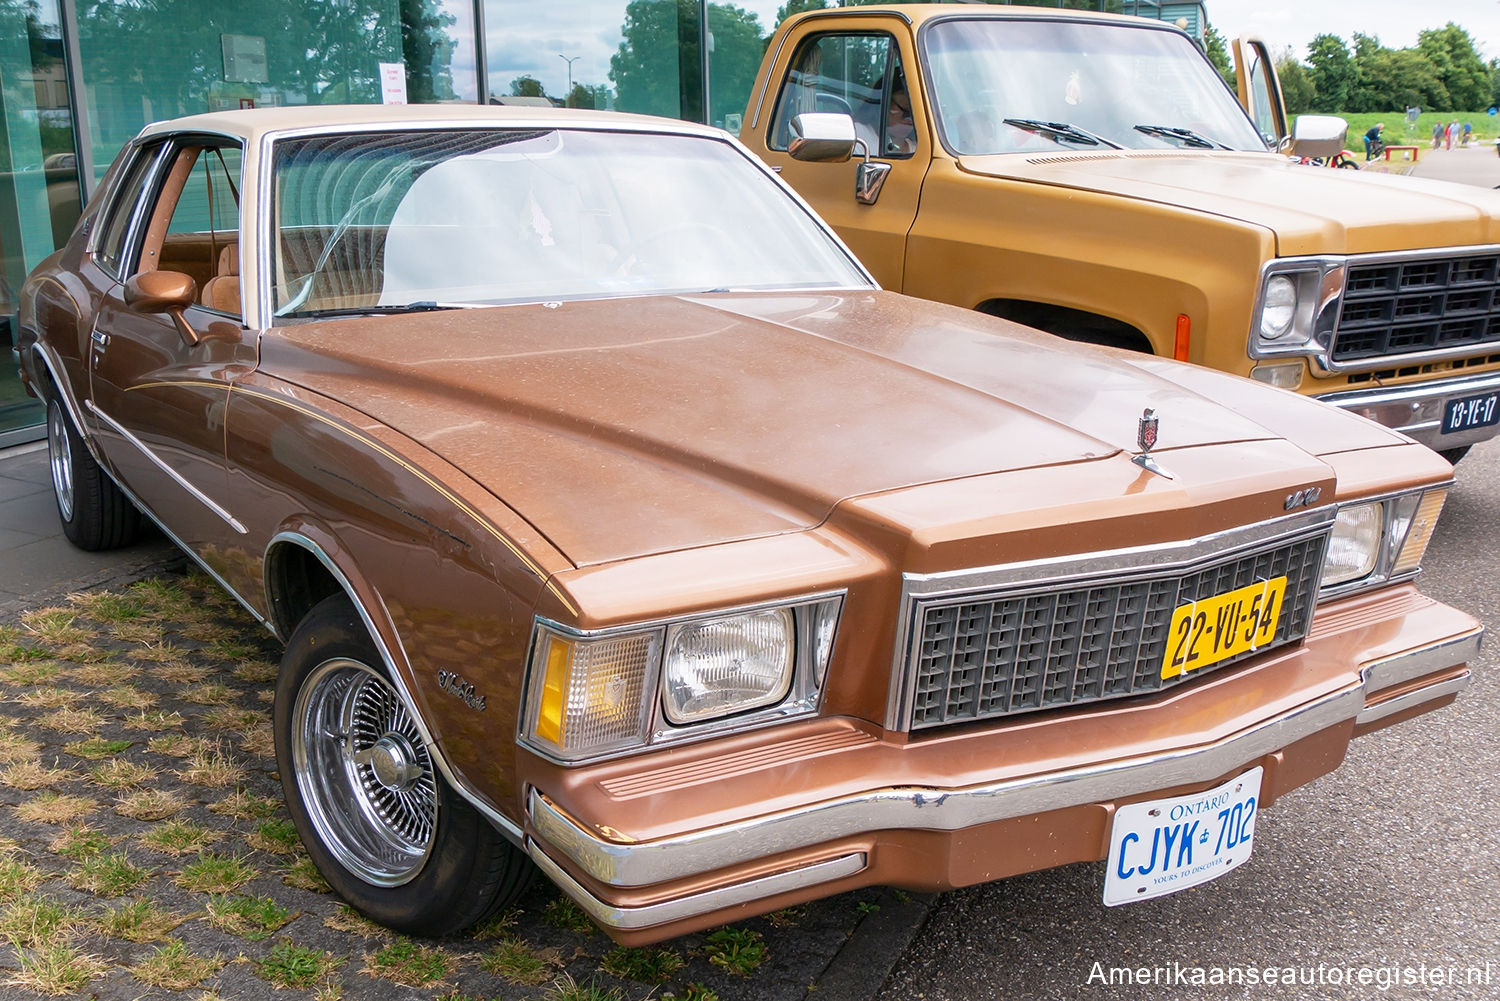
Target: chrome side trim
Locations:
point(504, 824)
point(1415, 698)
point(1115, 566)
point(156, 460)
point(1392, 671)
point(630, 918)
point(928, 808)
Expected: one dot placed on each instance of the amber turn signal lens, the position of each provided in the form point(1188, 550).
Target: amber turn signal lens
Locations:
point(549, 719)
point(1419, 533)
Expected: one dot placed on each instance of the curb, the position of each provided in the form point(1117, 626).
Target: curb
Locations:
point(862, 964)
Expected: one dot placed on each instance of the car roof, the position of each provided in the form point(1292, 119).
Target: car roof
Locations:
point(252, 124)
point(917, 13)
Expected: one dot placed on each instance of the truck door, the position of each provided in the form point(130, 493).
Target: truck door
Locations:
point(1259, 89)
point(863, 74)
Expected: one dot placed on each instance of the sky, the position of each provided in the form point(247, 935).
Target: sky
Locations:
point(1395, 22)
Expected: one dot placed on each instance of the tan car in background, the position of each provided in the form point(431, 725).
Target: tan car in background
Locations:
point(616, 522)
point(1091, 175)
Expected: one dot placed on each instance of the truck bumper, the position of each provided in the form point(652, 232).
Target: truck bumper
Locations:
point(857, 806)
point(1416, 410)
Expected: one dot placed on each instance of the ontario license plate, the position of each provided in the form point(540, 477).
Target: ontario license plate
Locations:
point(1165, 845)
point(1471, 412)
point(1214, 629)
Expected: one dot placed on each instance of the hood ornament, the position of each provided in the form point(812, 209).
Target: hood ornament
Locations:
point(1145, 440)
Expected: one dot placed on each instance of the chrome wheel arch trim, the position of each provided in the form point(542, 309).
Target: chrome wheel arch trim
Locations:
point(486, 809)
point(70, 403)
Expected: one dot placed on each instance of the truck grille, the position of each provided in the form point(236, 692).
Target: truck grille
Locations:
point(997, 654)
point(1412, 305)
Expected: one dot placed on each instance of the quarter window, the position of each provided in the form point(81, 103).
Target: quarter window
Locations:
point(112, 248)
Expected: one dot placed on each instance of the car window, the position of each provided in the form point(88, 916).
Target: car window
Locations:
point(112, 249)
point(194, 225)
point(859, 75)
point(471, 217)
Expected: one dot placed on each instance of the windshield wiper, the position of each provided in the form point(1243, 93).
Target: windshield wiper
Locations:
point(1187, 136)
point(420, 306)
point(1061, 132)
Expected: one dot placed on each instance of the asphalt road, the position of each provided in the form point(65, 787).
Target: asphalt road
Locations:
point(1391, 862)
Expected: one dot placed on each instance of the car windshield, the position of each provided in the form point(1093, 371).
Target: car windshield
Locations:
point(1003, 85)
point(387, 221)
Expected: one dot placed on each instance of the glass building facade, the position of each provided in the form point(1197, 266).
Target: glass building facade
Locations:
point(79, 78)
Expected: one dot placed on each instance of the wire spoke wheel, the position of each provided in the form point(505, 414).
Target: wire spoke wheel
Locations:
point(364, 773)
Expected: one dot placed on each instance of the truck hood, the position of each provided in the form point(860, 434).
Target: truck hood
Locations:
point(1311, 210)
point(630, 426)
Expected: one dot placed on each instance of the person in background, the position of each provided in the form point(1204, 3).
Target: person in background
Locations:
point(1437, 134)
point(1373, 143)
point(1452, 132)
point(1468, 129)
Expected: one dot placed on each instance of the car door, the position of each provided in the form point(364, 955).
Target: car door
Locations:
point(1259, 89)
point(862, 74)
point(159, 382)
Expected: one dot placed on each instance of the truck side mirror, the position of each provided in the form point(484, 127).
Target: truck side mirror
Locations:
point(1319, 135)
point(822, 137)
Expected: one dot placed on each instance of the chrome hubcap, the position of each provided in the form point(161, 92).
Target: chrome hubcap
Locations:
point(365, 776)
point(60, 457)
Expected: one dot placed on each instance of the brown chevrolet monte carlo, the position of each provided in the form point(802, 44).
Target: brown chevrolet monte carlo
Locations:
point(616, 522)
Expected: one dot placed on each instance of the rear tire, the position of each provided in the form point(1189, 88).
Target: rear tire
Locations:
point(95, 513)
point(379, 821)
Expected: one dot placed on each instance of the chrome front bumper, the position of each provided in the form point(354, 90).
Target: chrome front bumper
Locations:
point(1416, 409)
point(628, 864)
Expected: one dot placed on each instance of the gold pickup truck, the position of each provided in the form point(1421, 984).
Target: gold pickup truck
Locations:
point(1092, 176)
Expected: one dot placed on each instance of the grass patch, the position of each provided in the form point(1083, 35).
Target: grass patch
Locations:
point(787, 917)
point(109, 875)
point(30, 673)
point(305, 876)
point(14, 748)
point(51, 697)
point(517, 962)
point(55, 808)
point(54, 625)
point(155, 721)
point(290, 965)
point(176, 745)
point(56, 969)
point(215, 874)
point(231, 718)
point(175, 967)
point(252, 918)
point(408, 964)
point(568, 989)
point(561, 912)
point(179, 837)
point(212, 767)
point(139, 921)
point(107, 606)
point(242, 805)
point(97, 748)
point(648, 965)
point(347, 919)
point(127, 697)
point(693, 992)
point(98, 669)
point(12, 652)
point(32, 922)
point(276, 836)
point(73, 720)
point(256, 671)
point(736, 950)
point(30, 775)
point(180, 674)
point(142, 633)
point(150, 804)
point(18, 878)
point(117, 773)
point(212, 693)
point(230, 649)
point(260, 741)
point(80, 842)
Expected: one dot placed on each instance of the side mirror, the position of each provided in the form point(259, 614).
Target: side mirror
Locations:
point(164, 292)
point(1319, 135)
point(822, 137)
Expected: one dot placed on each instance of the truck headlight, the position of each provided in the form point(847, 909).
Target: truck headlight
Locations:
point(1374, 542)
point(1279, 308)
point(594, 693)
point(1297, 307)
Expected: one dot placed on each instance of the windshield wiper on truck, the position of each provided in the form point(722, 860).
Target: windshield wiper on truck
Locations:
point(1185, 136)
point(1061, 132)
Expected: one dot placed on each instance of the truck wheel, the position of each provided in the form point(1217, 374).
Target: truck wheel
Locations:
point(95, 513)
point(377, 818)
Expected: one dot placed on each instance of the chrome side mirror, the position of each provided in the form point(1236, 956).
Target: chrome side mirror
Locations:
point(1319, 135)
point(822, 137)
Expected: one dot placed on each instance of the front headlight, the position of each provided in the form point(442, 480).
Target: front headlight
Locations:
point(591, 694)
point(1374, 542)
point(1297, 307)
point(1279, 307)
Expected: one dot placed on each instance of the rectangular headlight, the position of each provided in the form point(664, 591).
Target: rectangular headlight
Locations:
point(591, 694)
point(1296, 306)
point(1354, 546)
point(1376, 541)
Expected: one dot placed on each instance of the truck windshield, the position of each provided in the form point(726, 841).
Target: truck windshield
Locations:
point(1138, 88)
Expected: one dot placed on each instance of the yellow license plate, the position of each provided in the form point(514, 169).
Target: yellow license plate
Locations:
point(1214, 629)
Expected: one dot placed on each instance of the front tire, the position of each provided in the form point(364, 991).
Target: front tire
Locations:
point(379, 821)
point(95, 513)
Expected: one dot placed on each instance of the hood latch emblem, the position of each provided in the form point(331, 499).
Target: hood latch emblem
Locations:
point(1145, 440)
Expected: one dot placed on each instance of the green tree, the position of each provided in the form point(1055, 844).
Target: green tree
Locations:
point(1296, 84)
point(1218, 53)
point(1399, 78)
point(1457, 65)
point(527, 86)
point(657, 70)
point(735, 58)
point(581, 96)
point(1334, 74)
point(791, 7)
point(428, 51)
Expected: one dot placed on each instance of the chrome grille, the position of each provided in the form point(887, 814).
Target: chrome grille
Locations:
point(1398, 307)
point(982, 656)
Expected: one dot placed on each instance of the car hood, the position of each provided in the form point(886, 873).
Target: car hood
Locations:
point(1311, 210)
point(630, 426)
